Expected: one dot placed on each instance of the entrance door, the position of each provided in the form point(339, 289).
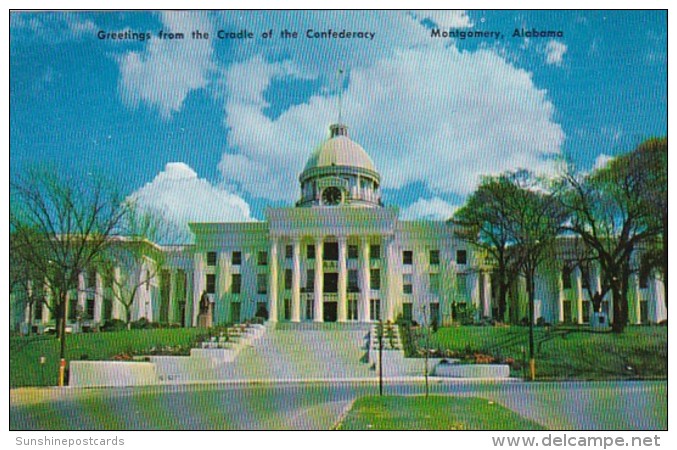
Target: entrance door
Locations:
point(330, 311)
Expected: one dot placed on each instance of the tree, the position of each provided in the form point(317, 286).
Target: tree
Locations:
point(535, 218)
point(484, 222)
point(613, 211)
point(649, 163)
point(133, 260)
point(61, 223)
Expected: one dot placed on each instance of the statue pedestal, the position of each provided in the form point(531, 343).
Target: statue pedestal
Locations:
point(204, 319)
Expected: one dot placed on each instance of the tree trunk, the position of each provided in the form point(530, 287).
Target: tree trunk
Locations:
point(502, 293)
point(531, 299)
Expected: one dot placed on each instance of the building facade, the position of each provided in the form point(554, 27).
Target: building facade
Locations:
point(338, 255)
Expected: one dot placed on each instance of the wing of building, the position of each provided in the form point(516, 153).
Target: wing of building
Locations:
point(338, 255)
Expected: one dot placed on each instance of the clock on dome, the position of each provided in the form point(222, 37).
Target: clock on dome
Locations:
point(332, 196)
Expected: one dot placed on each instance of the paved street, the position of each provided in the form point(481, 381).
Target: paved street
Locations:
point(563, 406)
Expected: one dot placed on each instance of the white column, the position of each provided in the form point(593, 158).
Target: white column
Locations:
point(657, 310)
point(272, 288)
point(188, 311)
point(171, 301)
point(579, 294)
point(46, 312)
point(223, 288)
point(474, 285)
point(98, 299)
point(117, 309)
point(560, 296)
point(199, 281)
point(342, 280)
point(319, 282)
point(296, 281)
point(391, 292)
point(82, 295)
point(365, 280)
point(634, 299)
point(486, 294)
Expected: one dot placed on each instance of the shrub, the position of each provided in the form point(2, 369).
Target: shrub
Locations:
point(114, 325)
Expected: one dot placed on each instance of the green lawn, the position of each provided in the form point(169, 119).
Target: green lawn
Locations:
point(432, 413)
point(25, 351)
point(566, 353)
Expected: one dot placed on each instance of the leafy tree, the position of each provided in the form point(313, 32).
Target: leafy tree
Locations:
point(535, 217)
point(613, 211)
point(60, 224)
point(484, 222)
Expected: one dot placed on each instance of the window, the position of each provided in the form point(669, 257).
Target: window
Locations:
point(644, 275)
point(287, 309)
point(310, 280)
point(461, 257)
point(434, 313)
point(287, 278)
point(235, 312)
point(435, 283)
point(237, 259)
point(211, 259)
point(566, 277)
point(310, 310)
point(585, 277)
point(461, 284)
point(235, 283)
point(331, 251)
point(310, 252)
point(289, 252)
point(434, 257)
point(407, 257)
point(352, 309)
point(211, 283)
point(261, 283)
point(406, 284)
point(352, 281)
point(262, 259)
point(375, 251)
point(352, 252)
point(91, 279)
point(375, 279)
point(407, 309)
point(374, 309)
point(331, 282)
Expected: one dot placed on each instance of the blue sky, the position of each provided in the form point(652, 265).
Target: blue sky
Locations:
point(215, 129)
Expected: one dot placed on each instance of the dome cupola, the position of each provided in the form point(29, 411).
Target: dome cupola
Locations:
point(340, 172)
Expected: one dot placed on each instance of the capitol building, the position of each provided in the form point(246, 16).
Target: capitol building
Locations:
point(340, 255)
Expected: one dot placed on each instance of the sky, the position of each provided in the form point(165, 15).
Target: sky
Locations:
point(219, 129)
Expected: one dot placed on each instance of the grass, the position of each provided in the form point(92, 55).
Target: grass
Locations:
point(432, 413)
point(25, 351)
point(568, 353)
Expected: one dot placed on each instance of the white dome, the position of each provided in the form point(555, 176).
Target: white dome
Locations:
point(340, 151)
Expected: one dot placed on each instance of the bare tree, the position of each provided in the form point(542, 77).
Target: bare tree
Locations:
point(60, 224)
point(134, 260)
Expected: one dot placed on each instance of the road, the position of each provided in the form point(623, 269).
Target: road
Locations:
point(614, 405)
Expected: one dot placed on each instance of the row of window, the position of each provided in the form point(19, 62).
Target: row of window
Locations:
point(331, 254)
point(330, 282)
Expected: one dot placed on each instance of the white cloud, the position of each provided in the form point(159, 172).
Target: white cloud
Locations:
point(182, 197)
point(165, 73)
point(601, 161)
point(431, 209)
point(445, 19)
point(430, 114)
point(554, 52)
